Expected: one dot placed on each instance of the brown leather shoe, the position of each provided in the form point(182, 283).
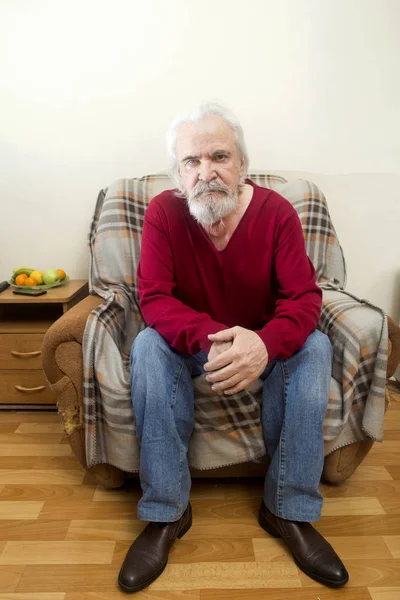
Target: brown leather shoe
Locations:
point(148, 556)
point(311, 552)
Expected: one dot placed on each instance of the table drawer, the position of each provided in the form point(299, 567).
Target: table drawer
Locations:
point(24, 387)
point(21, 350)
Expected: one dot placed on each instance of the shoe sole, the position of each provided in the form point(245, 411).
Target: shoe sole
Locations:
point(327, 582)
point(137, 588)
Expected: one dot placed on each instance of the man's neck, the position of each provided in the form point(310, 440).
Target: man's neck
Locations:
point(221, 231)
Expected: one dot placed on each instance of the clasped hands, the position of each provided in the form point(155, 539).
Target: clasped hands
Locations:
point(237, 357)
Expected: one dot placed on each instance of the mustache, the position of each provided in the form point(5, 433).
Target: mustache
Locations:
point(213, 186)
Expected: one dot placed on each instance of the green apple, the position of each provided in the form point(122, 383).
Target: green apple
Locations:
point(50, 277)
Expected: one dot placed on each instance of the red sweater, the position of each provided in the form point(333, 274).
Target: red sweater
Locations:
point(263, 279)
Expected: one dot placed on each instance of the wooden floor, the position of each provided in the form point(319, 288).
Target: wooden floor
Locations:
point(63, 538)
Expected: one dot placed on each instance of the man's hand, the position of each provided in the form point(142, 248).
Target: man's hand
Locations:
point(237, 367)
point(218, 348)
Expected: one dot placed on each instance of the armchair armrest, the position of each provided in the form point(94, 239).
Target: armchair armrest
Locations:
point(360, 366)
point(62, 364)
point(68, 328)
point(359, 337)
point(343, 318)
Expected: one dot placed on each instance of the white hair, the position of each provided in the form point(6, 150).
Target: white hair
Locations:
point(195, 116)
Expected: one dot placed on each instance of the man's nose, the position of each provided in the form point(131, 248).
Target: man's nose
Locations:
point(207, 172)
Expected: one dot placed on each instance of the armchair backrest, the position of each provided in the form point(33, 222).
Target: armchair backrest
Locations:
point(116, 229)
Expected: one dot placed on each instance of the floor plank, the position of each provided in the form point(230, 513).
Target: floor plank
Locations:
point(105, 529)
point(347, 547)
point(370, 473)
point(394, 471)
point(57, 553)
point(40, 427)
point(33, 596)
point(125, 495)
point(17, 462)
point(145, 595)
point(10, 576)
point(33, 530)
point(393, 543)
point(68, 578)
point(22, 416)
point(7, 427)
point(390, 504)
point(26, 438)
point(202, 550)
point(69, 463)
point(374, 489)
point(20, 510)
point(286, 594)
point(46, 491)
point(236, 575)
point(392, 420)
point(38, 449)
point(352, 506)
point(364, 525)
point(381, 593)
point(387, 458)
point(45, 477)
point(63, 509)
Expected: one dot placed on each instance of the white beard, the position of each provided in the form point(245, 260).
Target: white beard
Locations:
point(206, 204)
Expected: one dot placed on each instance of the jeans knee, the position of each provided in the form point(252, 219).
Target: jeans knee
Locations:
point(319, 348)
point(147, 343)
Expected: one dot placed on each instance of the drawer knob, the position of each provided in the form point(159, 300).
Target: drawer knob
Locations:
point(31, 390)
point(25, 354)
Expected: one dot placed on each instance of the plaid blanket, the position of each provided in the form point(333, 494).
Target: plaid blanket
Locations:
point(227, 429)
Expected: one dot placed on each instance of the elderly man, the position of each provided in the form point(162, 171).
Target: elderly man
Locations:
point(226, 288)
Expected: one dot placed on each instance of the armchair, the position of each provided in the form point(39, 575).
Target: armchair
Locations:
point(93, 395)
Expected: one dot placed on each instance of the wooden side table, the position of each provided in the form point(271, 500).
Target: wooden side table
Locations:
point(23, 322)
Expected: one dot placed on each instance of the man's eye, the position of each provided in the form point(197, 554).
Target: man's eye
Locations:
point(191, 162)
point(219, 157)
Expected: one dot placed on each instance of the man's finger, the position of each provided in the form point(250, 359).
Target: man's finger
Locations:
point(228, 383)
point(222, 374)
point(220, 361)
point(226, 335)
point(239, 387)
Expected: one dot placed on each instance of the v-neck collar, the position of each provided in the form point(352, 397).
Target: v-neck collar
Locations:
point(246, 215)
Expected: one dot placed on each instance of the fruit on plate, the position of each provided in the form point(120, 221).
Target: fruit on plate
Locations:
point(22, 271)
point(26, 275)
point(20, 279)
point(61, 273)
point(51, 276)
point(38, 276)
point(30, 281)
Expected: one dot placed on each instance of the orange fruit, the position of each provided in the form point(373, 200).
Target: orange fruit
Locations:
point(30, 281)
point(61, 273)
point(20, 279)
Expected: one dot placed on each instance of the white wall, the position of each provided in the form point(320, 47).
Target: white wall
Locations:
point(88, 89)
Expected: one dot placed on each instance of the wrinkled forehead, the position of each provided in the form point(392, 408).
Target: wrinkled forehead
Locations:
point(204, 137)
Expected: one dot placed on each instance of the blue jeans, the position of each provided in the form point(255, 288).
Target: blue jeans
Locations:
point(295, 397)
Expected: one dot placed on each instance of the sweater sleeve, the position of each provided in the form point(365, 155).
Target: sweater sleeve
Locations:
point(181, 326)
point(299, 298)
